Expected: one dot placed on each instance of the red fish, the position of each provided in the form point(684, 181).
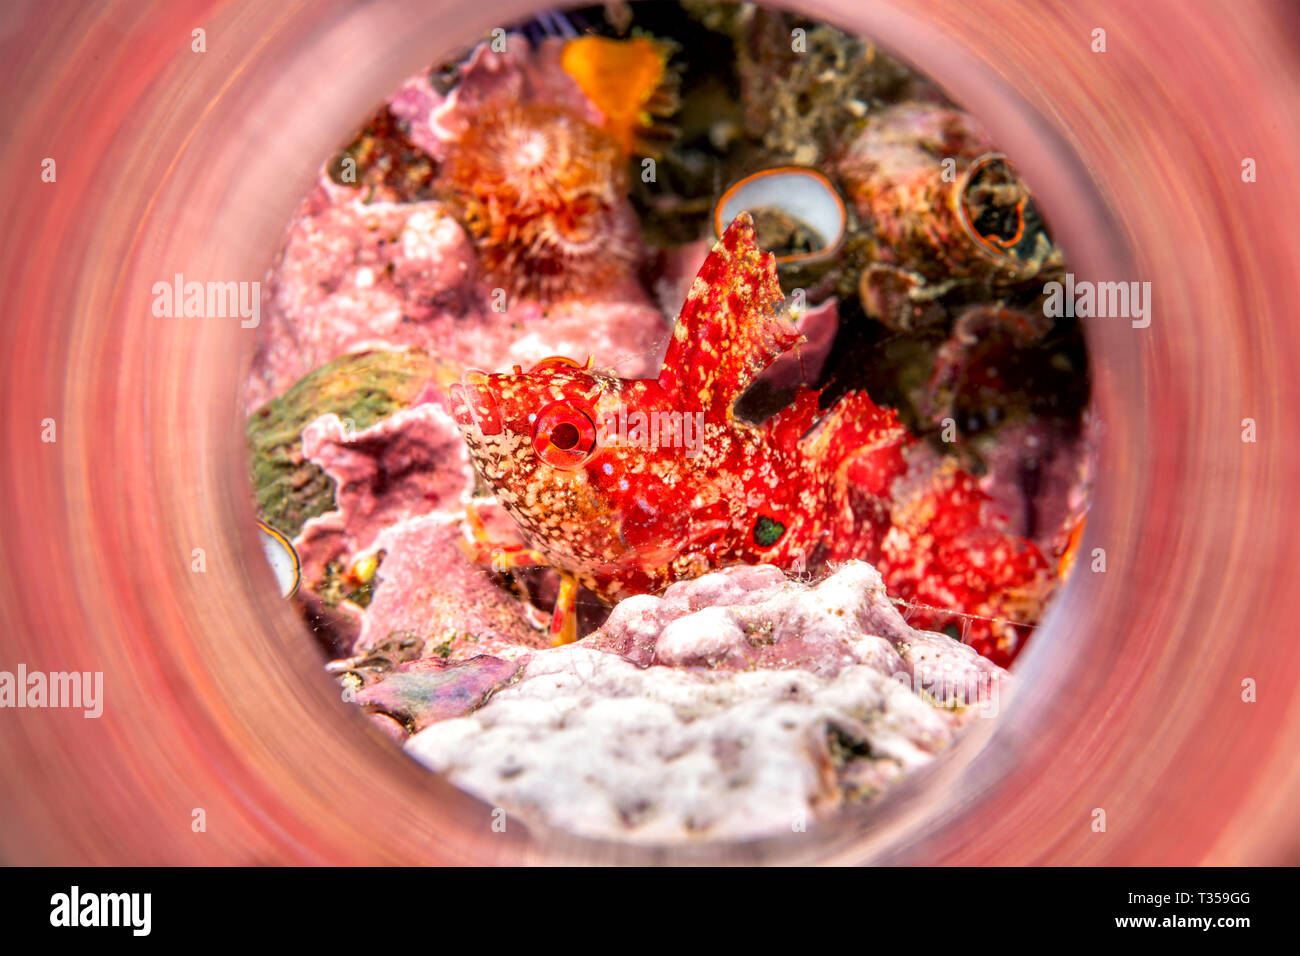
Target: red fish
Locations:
point(628, 485)
point(946, 556)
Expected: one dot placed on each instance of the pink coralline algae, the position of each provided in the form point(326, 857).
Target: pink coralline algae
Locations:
point(353, 275)
point(410, 464)
point(733, 707)
point(350, 274)
point(402, 486)
point(430, 591)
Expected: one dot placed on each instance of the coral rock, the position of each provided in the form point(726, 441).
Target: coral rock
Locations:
point(351, 276)
point(360, 389)
point(783, 703)
point(748, 618)
point(409, 464)
point(429, 591)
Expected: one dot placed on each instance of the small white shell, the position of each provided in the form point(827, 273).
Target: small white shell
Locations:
point(282, 558)
point(801, 193)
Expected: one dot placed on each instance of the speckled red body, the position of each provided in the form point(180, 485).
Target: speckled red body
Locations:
point(945, 551)
point(626, 512)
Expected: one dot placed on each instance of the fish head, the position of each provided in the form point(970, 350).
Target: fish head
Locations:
point(535, 439)
point(522, 424)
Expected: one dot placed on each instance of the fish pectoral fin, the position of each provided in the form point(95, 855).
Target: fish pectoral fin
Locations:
point(564, 620)
point(481, 549)
point(732, 325)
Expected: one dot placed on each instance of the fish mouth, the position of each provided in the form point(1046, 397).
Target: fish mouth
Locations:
point(474, 404)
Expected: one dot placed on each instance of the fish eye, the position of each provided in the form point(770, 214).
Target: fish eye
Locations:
point(564, 436)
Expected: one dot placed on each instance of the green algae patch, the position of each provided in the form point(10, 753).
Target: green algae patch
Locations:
point(361, 389)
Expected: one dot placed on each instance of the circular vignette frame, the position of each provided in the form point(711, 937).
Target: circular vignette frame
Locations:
point(168, 161)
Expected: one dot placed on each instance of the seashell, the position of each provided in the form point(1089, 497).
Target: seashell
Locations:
point(796, 192)
point(282, 558)
point(939, 201)
point(998, 214)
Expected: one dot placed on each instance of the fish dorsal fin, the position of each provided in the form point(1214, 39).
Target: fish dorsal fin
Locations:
point(787, 427)
point(731, 327)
